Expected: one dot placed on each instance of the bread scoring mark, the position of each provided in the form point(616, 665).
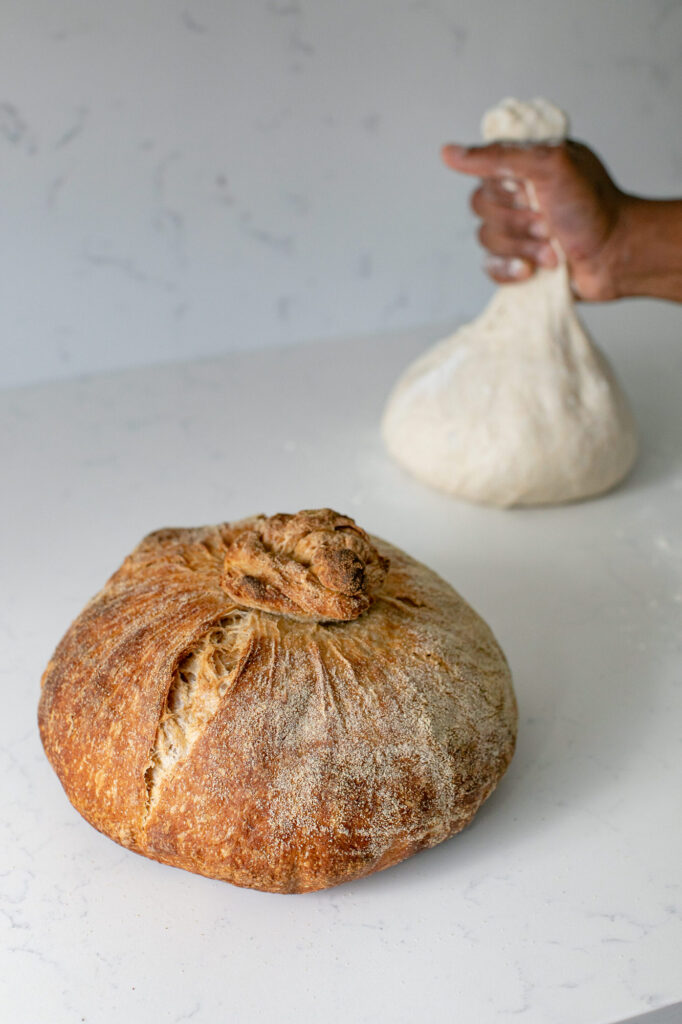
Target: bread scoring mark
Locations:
point(199, 684)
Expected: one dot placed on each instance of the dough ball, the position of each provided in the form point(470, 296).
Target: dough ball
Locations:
point(517, 408)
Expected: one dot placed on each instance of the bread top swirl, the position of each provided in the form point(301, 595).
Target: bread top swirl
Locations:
point(315, 565)
point(250, 702)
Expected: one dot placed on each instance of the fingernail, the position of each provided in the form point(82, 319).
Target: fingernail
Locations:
point(503, 267)
point(516, 267)
point(538, 229)
point(509, 185)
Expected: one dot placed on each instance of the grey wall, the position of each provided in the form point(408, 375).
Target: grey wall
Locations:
point(181, 179)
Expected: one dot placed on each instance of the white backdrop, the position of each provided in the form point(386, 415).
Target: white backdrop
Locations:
point(182, 179)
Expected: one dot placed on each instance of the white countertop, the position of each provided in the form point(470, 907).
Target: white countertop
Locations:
point(559, 905)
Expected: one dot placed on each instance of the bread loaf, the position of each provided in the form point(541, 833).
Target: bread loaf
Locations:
point(284, 703)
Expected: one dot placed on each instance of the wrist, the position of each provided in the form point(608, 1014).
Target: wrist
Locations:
point(646, 249)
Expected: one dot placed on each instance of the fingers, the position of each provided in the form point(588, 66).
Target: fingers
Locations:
point(502, 207)
point(530, 191)
point(498, 242)
point(534, 161)
point(508, 271)
point(516, 235)
point(502, 192)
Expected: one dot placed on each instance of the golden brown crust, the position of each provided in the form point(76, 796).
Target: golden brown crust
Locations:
point(315, 565)
point(267, 750)
point(105, 688)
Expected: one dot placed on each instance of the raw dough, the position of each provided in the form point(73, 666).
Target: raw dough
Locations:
point(518, 407)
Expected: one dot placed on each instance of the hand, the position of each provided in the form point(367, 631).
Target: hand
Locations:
point(579, 206)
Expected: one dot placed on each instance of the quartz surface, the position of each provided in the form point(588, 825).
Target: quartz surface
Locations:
point(559, 905)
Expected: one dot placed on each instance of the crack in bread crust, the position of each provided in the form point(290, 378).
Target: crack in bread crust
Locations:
point(200, 682)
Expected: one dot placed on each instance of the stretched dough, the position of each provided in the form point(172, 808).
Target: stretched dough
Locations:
point(518, 407)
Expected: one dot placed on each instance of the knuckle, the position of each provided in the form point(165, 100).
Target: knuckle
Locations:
point(483, 234)
point(477, 201)
point(526, 247)
point(523, 224)
point(517, 222)
point(548, 160)
point(562, 157)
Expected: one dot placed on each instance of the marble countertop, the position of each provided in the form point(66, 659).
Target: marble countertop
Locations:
point(178, 179)
point(559, 905)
